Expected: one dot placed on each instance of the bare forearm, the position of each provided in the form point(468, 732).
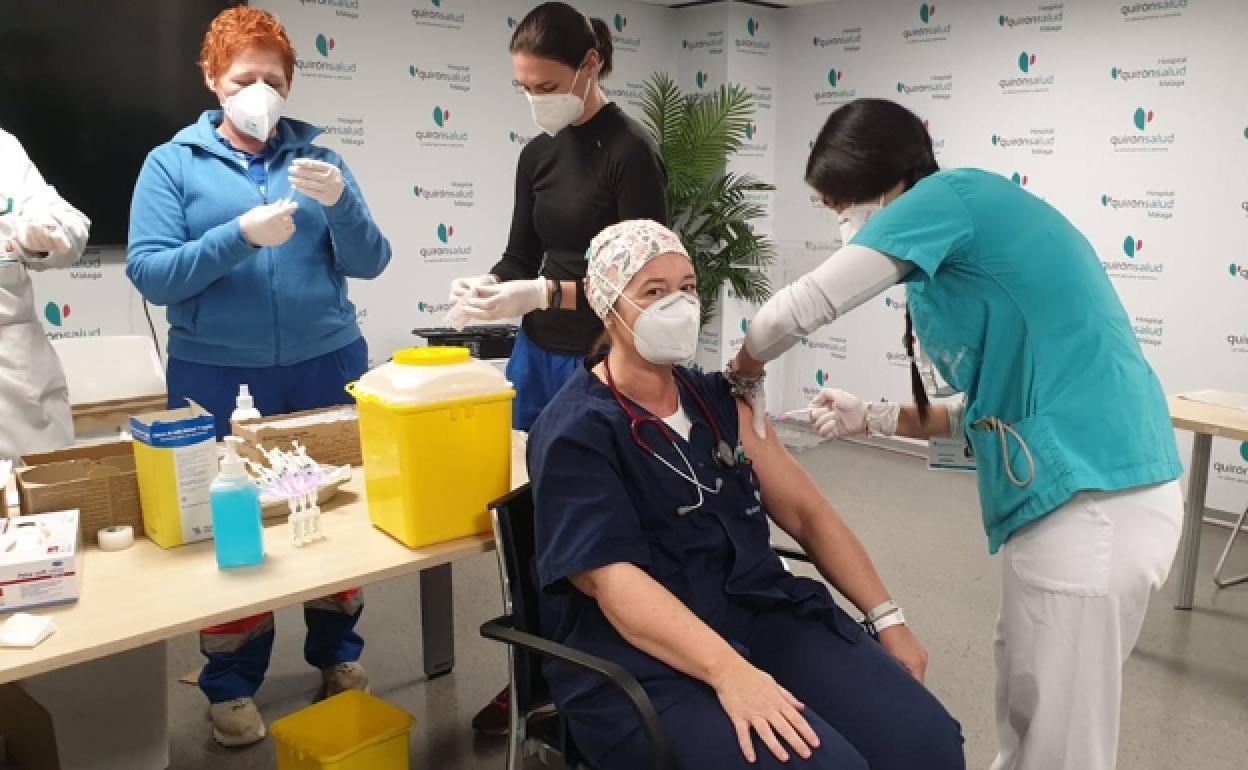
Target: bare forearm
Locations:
point(567, 295)
point(840, 557)
point(799, 508)
point(654, 621)
point(746, 365)
point(911, 426)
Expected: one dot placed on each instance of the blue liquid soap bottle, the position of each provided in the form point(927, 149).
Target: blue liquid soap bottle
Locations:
point(236, 520)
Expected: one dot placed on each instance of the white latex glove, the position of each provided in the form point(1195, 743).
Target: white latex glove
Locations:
point(506, 300)
point(42, 235)
point(320, 181)
point(270, 224)
point(462, 287)
point(837, 414)
point(456, 317)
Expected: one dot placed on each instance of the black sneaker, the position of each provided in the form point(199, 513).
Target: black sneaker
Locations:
point(492, 720)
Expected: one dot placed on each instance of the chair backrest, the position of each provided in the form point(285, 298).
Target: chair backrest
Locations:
point(515, 537)
point(99, 369)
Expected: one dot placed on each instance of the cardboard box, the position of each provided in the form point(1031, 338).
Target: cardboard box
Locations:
point(175, 455)
point(111, 417)
point(331, 435)
point(40, 560)
point(100, 481)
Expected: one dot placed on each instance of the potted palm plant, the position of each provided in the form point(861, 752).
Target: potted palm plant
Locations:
point(708, 206)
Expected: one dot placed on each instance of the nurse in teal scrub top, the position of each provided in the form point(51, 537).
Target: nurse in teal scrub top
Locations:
point(1077, 462)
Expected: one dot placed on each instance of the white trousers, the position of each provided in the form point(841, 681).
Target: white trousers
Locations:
point(1075, 588)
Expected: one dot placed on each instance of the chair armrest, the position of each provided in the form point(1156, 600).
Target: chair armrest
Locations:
point(796, 554)
point(501, 630)
point(799, 555)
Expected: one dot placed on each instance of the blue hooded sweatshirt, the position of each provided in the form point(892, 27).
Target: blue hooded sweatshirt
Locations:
point(230, 303)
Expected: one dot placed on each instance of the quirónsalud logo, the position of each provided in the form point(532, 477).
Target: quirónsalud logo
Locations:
point(327, 66)
point(931, 31)
point(1143, 139)
point(56, 314)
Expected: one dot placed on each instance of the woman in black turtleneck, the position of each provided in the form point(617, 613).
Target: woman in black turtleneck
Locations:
point(592, 167)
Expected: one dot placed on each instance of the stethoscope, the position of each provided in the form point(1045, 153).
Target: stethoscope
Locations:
point(724, 455)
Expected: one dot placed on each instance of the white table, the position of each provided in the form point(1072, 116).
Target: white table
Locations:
point(1205, 421)
point(137, 599)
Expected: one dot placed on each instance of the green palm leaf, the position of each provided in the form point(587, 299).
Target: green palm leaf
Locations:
point(710, 208)
point(661, 103)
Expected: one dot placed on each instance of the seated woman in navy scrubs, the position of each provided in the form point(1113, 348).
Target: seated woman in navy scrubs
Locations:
point(653, 497)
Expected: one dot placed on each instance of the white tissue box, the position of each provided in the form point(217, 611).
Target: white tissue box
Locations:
point(40, 560)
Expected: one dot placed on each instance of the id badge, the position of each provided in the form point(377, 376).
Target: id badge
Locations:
point(950, 454)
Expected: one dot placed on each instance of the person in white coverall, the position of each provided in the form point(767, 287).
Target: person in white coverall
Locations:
point(1077, 463)
point(38, 230)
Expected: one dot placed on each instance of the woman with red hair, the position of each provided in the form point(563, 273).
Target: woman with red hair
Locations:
point(247, 233)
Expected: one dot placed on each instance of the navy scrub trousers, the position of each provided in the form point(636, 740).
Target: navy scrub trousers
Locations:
point(238, 652)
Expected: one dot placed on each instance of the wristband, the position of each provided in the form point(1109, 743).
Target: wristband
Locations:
point(883, 609)
point(888, 621)
point(743, 387)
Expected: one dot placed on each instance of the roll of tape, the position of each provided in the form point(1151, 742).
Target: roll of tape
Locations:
point(116, 538)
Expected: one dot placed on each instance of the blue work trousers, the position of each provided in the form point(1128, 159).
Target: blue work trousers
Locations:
point(238, 652)
point(867, 710)
point(537, 375)
point(311, 384)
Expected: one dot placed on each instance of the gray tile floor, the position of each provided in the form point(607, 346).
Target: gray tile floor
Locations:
point(1186, 702)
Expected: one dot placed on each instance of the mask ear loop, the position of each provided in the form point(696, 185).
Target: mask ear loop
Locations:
point(1003, 430)
point(619, 294)
point(624, 323)
point(577, 75)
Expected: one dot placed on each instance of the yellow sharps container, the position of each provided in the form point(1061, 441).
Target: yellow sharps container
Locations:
point(435, 432)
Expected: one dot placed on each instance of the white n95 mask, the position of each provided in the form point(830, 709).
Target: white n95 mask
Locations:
point(555, 112)
point(667, 331)
point(855, 217)
point(255, 110)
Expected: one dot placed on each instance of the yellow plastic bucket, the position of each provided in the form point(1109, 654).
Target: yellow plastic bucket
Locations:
point(350, 731)
point(435, 435)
